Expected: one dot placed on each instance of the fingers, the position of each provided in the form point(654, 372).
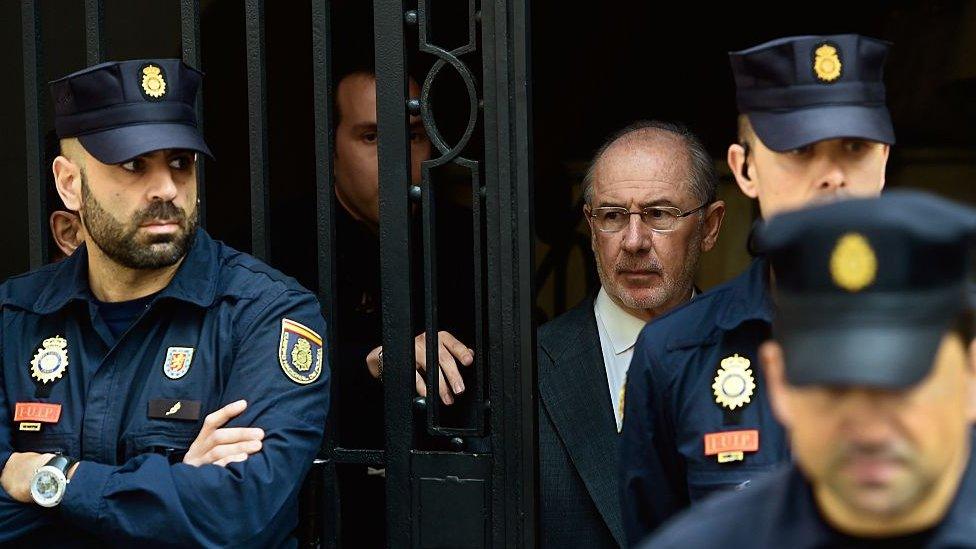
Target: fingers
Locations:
point(444, 390)
point(236, 458)
point(449, 370)
point(224, 451)
point(421, 386)
point(459, 350)
point(234, 435)
point(373, 362)
point(216, 420)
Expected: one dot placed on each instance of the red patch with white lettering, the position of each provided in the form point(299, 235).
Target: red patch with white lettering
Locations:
point(37, 411)
point(731, 441)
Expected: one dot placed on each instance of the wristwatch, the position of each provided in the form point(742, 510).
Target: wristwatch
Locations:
point(50, 481)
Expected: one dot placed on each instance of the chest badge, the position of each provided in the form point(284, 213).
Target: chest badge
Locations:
point(300, 352)
point(50, 361)
point(734, 384)
point(177, 362)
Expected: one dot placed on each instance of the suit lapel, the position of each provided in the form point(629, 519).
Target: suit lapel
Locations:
point(574, 391)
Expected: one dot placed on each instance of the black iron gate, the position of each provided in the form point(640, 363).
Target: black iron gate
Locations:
point(481, 491)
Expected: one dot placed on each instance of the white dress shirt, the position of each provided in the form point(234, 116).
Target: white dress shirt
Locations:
point(618, 334)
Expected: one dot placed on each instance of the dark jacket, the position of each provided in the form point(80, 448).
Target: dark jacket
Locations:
point(577, 436)
point(671, 407)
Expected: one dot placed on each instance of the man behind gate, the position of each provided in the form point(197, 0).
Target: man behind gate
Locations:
point(156, 387)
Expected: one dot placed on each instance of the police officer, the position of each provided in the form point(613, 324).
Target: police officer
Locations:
point(813, 126)
point(156, 387)
point(873, 374)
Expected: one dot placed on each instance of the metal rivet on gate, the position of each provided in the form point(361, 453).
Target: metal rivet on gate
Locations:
point(457, 443)
point(420, 403)
point(415, 193)
point(410, 17)
point(413, 105)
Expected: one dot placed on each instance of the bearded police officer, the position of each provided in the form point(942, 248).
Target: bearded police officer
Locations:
point(156, 387)
point(873, 374)
point(813, 126)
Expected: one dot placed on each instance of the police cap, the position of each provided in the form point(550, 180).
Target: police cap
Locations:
point(121, 110)
point(803, 89)
point(865, 289)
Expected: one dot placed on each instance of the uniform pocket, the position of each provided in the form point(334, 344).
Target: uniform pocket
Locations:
point(171, 443)
point(47, 443)
point(704, 483)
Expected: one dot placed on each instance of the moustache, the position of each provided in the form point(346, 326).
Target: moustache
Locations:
point(847, 452)
point(159, 211)
point(631, 264)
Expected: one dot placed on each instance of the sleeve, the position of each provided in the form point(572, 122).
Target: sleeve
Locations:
point(649, 480)
point(16, 519)
point(249, 503)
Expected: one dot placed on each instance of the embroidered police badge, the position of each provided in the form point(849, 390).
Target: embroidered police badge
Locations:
point(153, 82)
point(177, 362)
point(826, 63)
point(853, 264)
point(300, 352)
point(51, 360)
point(734, 383)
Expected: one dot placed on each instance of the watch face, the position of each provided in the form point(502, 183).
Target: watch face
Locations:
point(47, 486)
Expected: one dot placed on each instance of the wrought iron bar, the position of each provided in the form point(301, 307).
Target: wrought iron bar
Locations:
point(192, 55)
point(37, 226)
point(94, 36)
point(395, 273)
point(257, 121)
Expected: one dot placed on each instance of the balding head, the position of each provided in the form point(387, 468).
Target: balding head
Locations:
point(660, 148)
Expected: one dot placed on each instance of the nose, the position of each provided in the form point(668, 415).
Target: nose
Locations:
point(637, 236)
point(866, 414)
point(832, 178)
point(161, 187)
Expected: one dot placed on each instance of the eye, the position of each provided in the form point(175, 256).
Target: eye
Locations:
point(418, 137)
point(855, 146)
point(134, 165)
point(369, 137)
point(655, 213)
point(182, 162)
point(800, 151)
point(611, 215)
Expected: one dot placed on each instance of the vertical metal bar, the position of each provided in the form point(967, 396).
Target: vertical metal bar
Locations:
point(325, 232)
point(94, 39)
point(190, 39)
point(257, 123)
point(510, 264)
point(395, 272)
point(37, 226)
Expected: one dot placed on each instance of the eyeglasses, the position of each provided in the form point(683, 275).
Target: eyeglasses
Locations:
point(662, 219)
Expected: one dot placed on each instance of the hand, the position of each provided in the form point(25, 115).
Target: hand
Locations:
point(450, 351)
point(19, 471)
point(220, 445)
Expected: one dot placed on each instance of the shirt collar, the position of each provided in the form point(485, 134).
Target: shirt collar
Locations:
point(195, 281)
point(622, 327)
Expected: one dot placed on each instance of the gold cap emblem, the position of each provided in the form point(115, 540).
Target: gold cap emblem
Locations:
point(51, 360)
point(853, 264)
point(826, 63)
point(734, 383)
point(153, 83)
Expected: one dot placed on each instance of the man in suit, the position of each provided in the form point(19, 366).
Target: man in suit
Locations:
point(650, 201)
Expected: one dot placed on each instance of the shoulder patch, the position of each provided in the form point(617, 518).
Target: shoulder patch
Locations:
point(300, 352)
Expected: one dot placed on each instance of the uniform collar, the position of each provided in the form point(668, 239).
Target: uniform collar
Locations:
point(749, 298)
point(622, 327)
point(195, 281)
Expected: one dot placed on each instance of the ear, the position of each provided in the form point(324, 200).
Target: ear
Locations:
point(971, 382)
point(588, 217)
point(884, 164)
point(67, 180)
point(714, 215)
point(66, 230)
point(736, 158)
point(771, 357)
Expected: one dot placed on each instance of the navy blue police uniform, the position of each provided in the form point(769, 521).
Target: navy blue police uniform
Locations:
point(696, 418)
point(874, 285)
point(128, 399)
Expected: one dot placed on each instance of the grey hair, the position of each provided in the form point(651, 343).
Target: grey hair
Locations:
point(704, 180)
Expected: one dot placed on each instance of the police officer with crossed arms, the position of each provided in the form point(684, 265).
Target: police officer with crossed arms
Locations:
point(156, 387)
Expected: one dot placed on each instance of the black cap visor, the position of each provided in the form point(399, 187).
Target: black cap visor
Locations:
point(124, 143)
point(880, 341)
point(786, 130)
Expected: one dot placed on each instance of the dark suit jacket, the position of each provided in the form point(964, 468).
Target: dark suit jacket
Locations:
point(580, 505)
